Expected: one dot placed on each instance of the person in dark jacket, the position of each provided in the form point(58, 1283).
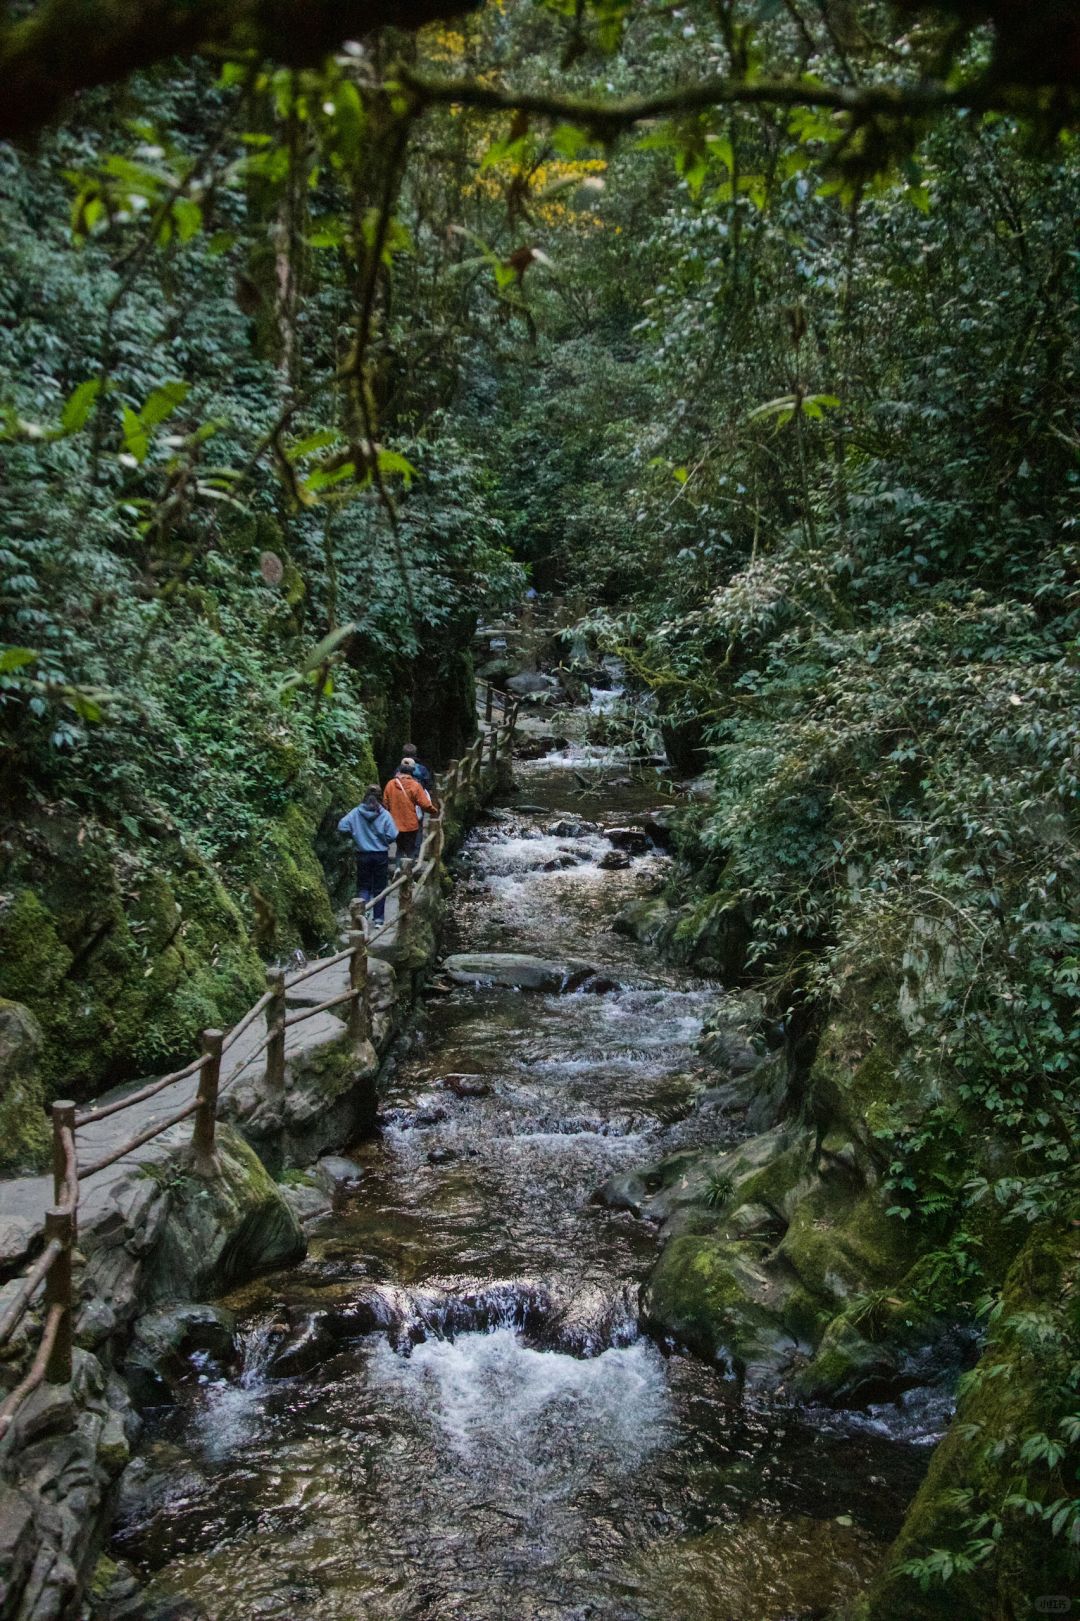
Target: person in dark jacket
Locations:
point(420, 771)
point(372, 831)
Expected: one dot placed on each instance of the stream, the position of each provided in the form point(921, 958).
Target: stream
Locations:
point(496, 1438)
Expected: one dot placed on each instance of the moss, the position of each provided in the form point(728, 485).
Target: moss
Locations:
point(33, 958)
point(24, 1130)
point(329, 1070)
point(778, 1183)
point(856, 1078)
point(122, 960)
point(105, 1573)
point(1021, 1387)
point(700, 1293)
point(220, 1229)
point(846, 1368)
point(839, 1246)
point(292, 900)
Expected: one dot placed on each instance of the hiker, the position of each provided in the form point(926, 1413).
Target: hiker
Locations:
point(420, 771)
point(404, 797)
point(373, 832)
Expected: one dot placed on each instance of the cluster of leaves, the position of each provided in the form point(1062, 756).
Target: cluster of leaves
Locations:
point(192, 506)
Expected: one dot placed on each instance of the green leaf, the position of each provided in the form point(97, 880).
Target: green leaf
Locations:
point(187, 218)
point(569, 140)
point(325, 478)
point(314, 441)
point(390, 461)
point(136, 439)
point(77, 406)
point(348, 120)
point(13, 658)
point(161, 404)
point(329, 645)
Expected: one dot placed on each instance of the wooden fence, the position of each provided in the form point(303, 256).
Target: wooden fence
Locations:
point(52, 1362)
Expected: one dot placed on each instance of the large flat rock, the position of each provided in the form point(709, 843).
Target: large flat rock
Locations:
point(517, 971)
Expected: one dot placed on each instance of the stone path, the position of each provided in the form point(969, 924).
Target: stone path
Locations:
point(24, 1200)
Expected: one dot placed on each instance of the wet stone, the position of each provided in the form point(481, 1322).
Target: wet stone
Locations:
point(631, 839)
point(307, 1344)
point(571, 828)
point(467, 1086)
point(614, 861)
point(431, 1115)
point(334, 1172)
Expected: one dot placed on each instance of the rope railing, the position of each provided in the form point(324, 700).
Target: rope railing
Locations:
point(52, 1362)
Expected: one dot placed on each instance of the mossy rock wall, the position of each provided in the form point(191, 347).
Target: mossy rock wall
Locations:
point(124, 950)
point(24, 1131)
point(121, 959)
point(1022, 1387)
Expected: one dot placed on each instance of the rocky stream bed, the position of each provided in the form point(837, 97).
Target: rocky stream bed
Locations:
point(459, 1404)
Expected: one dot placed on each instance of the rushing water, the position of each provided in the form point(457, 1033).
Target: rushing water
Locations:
point(491, 1435)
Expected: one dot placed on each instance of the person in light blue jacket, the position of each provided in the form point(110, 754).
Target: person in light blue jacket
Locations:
point(372, 831)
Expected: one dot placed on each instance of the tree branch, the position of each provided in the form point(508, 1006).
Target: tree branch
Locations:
point(607, 117)
point(65, 46)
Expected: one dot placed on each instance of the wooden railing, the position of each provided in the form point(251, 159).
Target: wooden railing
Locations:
point(52, 1362)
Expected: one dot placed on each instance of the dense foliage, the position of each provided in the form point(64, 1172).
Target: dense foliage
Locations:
point(778, 393)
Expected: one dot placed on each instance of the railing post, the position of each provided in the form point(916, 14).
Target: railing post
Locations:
point(405, 895)
point(437, 841)
point(513, 716)
point(59, 1224)
point(357, 913)
point(489, 700)
point(359, 1021)
point(206, 1113)
point(493, 748)
point(63, 1115)
point(275, 1024)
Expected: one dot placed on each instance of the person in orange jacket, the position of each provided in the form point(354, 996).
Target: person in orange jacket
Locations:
point(404, 798)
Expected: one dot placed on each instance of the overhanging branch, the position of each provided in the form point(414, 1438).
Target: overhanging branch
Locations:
point(608, 116)
point(64, 46)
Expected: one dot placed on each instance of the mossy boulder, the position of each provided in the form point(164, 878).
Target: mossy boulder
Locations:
point(24, 1130)
point(767, 1246)
point(221, 1229)
point(847, 1369)
point(714, 1297)
point(649, 920)
point(840, 1243)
